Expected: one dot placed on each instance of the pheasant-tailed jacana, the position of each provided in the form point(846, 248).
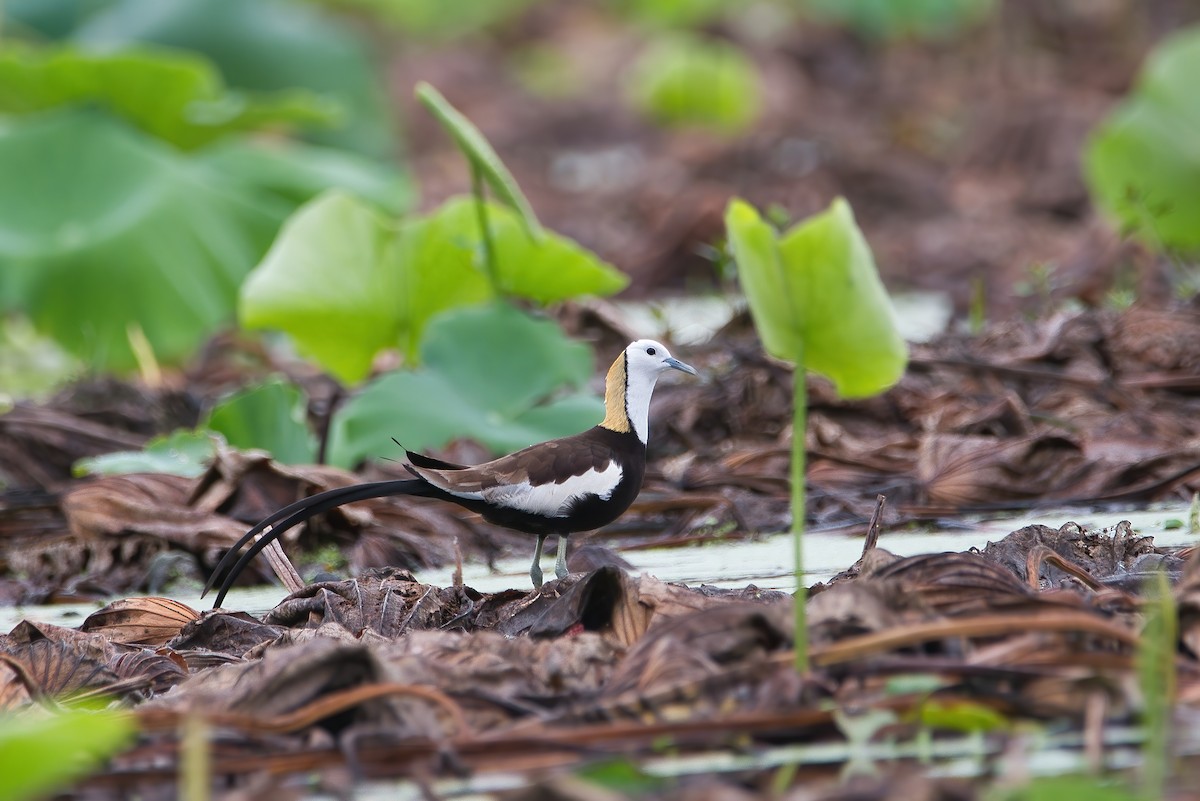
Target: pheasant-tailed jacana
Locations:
point(561, 486)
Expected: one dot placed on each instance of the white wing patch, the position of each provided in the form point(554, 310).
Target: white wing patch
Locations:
point(551, 500)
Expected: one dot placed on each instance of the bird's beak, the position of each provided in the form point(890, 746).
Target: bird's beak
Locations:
point(678, 365)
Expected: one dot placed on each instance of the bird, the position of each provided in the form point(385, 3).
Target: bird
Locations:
point(560, 487)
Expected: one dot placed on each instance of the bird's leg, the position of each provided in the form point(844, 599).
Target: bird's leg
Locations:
point(560, 564)
point(535, 570)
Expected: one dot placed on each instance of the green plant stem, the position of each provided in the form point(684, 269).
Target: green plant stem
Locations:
point(195, 760)
point(799, 428)
point(485, 230)
point(1156, 669)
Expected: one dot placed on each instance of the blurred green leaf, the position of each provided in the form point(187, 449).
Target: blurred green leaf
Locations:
point(490, 374)
point(1065, 788)
point(1143, 161)
point(683, 80)
point(38, 755)
point(391, 278)
point(183, 453)
point(437, 19)
point(480, 154)
point(345, 282)
point(264, 46)
point(272, 417)
point(962, 715)
point(816, 297)
point(892, 19)
point(294, 173)
point(623, 777)
point(190, 104)
point(52, 19)
point(909, 683)
point(104, 229)
point(676, 13)
point(32, 365)
point(549, 270)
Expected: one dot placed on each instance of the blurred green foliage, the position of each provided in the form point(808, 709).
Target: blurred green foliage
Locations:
point(1143, 161)
point(492, 374)
point(262, 46)
point(190, 105)
point(893, 19)
point(285, 174)
point(392, 278)
point(41, 754)
point(272, 416)
point(103, 228)
point(684, 80)
point(134, 201)
point(438, 19)
point(676, 13)
point(1071, 787)
point(181, 453)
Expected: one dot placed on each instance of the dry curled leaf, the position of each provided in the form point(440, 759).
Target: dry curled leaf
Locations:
point(14, 690)
point(149, 621)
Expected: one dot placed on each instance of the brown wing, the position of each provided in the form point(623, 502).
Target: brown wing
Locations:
point(544, 463)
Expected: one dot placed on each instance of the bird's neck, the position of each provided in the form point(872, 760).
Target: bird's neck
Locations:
point(626, 405)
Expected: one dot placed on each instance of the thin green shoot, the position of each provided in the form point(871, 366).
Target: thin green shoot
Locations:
point(1156, 676)
point(485, 230)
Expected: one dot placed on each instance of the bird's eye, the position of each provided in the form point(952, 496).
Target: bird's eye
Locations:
point(649, 351)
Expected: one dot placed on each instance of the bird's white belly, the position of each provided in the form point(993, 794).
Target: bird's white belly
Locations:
point(553, 500)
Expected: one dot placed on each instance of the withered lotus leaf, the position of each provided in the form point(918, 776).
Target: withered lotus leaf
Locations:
point(151, 621)
point(14, 692)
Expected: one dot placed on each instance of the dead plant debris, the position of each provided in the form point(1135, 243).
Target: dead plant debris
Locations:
point(1082, 408)
point(394, 678)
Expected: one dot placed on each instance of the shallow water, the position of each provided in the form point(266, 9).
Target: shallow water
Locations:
point(764, 562)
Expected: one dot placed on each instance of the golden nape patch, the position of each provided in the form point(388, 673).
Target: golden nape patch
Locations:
point(616, 418)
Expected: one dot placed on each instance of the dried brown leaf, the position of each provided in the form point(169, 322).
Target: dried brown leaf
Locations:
point(150, 504)
point(140, 621)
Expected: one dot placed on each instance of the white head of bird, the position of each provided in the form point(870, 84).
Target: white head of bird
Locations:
point(630, 383)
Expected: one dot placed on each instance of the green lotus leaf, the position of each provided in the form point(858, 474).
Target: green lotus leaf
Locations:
point(182, 453)
point(548, 270)
point(345, 282)
point(292, 173)
point(816, 297)
point(266, 46)
point(491, 374)
point(1143, 161)
point(272, 417)
point(190, 107)
point(108, 235)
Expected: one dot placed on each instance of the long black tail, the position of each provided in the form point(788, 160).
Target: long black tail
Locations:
point(298, 512)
